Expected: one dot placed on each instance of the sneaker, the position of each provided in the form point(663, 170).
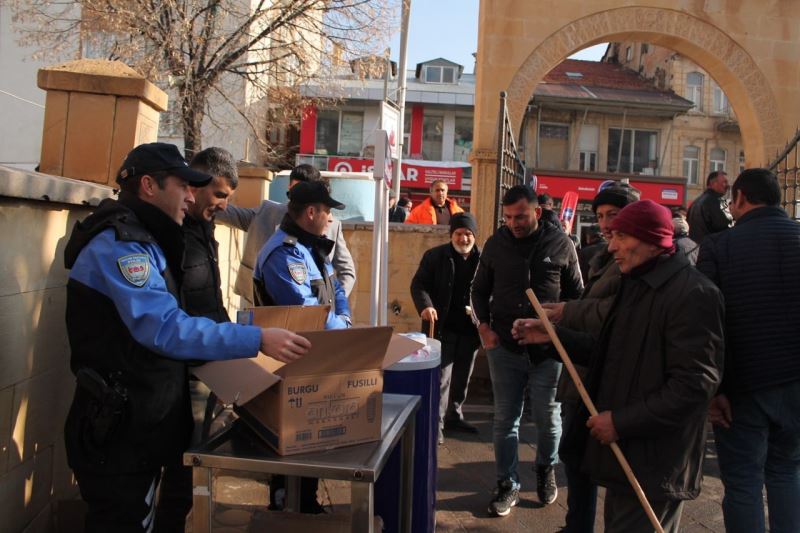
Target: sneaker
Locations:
point(505, 497)
point(459, 424)
point(546, 487)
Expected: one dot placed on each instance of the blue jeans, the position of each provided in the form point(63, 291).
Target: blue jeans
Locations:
point(762, 447)
point(511, 372)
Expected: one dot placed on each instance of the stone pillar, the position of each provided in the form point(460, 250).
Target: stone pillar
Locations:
point(253, 186)
point(484, 185)
point(96, 111)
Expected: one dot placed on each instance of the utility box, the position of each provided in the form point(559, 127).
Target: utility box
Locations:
point(96, 111)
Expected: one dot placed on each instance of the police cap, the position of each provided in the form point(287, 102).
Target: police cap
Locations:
point(160, 157)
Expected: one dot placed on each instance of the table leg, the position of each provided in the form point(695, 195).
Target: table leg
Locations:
point(407, 476)
point(202, 500)
point(362, 507)
point(293, 493)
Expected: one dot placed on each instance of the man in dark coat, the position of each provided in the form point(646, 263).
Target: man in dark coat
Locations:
point(652, 371)
point(440, 289)
point(709, 213)
point(587, 315)
point(522, 254)
point(756, 416)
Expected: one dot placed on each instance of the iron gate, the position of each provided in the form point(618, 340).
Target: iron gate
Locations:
point(510, 168)
point(787, 167)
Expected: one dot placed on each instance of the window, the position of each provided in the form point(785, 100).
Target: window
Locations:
point(434, 74)
point(463, 139)
point(639, 149)
point(716, 159)
point(339, 133)
point(694, 89)
point(720, 101)
point(645, 48)
point(691, 162)
point(553, 146)
point(432, 128)
point(741, 162)
point(587, 146)
point(628, 54)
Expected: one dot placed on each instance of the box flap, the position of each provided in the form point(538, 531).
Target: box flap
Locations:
point(238, 380)
point(341, 350)
point(291, 317)
point(399, 347)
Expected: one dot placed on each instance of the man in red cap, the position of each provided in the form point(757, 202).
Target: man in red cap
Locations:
point(652, 372)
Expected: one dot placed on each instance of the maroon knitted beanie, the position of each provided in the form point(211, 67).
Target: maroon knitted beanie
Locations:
point(647, 221)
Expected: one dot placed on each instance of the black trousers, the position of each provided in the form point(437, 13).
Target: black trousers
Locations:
point(128, 503)
point(623, 513)
point(458, 359)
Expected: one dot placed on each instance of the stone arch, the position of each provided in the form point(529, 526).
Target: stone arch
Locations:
point(730, 65)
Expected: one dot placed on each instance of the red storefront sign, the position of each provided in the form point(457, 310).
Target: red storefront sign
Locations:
point(659, 192)
point(413, 176)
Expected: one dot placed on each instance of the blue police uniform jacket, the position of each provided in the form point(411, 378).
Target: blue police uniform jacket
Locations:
point(124, 324)
point(287, 273)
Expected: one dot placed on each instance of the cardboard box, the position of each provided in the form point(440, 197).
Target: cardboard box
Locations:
point(332, 397)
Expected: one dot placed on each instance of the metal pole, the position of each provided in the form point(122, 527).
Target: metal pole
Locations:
point(383, 308)
point(401, 96)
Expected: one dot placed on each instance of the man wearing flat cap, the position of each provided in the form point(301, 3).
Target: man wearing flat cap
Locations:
point(130, 344)
point(653, 369)
point(440, 290)
point(293, 266)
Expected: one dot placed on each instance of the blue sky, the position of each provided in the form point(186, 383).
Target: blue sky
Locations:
point(449, 29)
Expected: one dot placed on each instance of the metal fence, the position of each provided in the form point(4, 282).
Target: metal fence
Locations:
point(787, 167)
point(510, 168)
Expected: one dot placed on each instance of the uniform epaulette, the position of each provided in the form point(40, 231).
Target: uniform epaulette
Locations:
point(290, 239)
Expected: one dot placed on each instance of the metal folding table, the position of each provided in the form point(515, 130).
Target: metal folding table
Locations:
point(238, 448)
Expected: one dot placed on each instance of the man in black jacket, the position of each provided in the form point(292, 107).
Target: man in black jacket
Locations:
point(709, 213)
point(201, 293)
point(653, 369)
point(756, 416)
point(522, 254)
point(440, 289)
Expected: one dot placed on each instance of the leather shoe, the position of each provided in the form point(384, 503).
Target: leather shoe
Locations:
point(459, 424)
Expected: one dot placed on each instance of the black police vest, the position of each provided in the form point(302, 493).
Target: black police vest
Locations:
point(153, 425)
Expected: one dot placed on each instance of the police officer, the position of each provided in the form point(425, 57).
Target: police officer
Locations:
point(292, 267)
point(130, 341)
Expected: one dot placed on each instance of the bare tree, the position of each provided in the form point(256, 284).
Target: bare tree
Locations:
point(199, 48)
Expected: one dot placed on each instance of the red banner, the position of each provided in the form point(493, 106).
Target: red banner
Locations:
point(558, 186)
point(413, 175)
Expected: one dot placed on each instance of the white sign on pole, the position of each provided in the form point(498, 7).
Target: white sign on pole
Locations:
point(390, 122)
point(383, 157)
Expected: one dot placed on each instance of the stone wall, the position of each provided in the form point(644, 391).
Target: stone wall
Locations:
point(407, 243)
point(37, 213)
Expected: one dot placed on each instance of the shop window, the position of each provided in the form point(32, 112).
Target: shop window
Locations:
point(694, 89)
point(553, 146)
point(691, 163)
point(407, 136)
point(639, 149)
point(716, 158)
point(463, 138)
point(339, 133)
point(432, 128)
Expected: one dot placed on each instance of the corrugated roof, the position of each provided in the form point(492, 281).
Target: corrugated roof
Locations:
point(592, 80)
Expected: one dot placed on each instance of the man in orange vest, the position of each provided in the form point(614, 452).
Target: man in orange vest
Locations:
point(436, 209)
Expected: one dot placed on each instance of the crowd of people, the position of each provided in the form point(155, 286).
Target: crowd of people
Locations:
point(673, 319)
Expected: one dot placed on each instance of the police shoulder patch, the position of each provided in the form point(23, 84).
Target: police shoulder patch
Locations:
point(298, 272)
point(135, 268)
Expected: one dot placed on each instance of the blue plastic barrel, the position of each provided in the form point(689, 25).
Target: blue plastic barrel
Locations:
point(417, 374)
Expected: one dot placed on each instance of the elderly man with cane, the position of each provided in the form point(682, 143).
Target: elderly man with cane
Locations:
point(652, 372)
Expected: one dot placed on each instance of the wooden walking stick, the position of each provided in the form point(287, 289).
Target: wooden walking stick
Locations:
point(592, 409)
point(431, 325)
